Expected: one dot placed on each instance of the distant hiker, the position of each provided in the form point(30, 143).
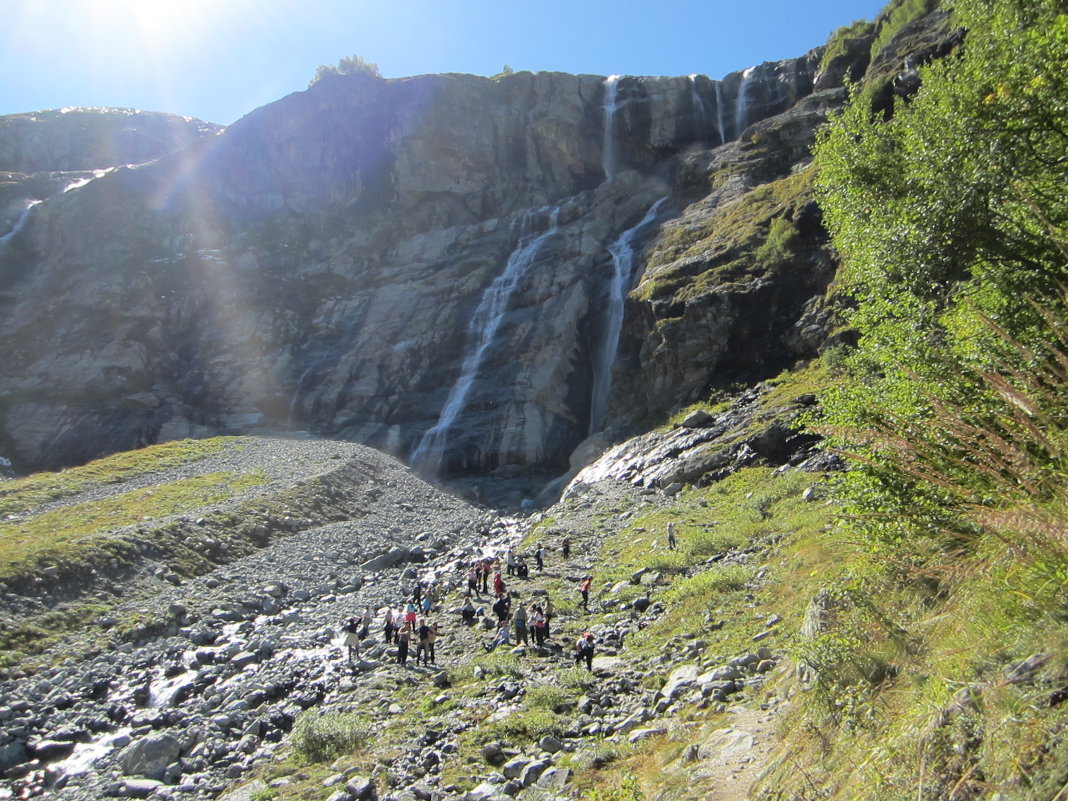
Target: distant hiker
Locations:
point(539, 557)
point(389, 629)
point(550, 613)
point(472, 581)
point(427, 604)
point(498, 583)
point(467, 613)
point(537, 625)
point(520, 620)
point(584, 590)
point(422, 651)
point(417, 592)
point(565, 547)
point(584, 648)
point(487, 568)
point(671, 536)
point(352, 638)
point(510, 562)
point(410, 613)
point(500, 639)
point(368, 618)
point(522, 570)
point(404, 639)
point(501, 607)
point(432, 639)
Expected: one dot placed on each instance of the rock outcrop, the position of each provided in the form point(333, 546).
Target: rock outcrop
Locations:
point(429, 265)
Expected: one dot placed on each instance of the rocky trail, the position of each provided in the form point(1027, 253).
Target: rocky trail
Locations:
point(208, 706)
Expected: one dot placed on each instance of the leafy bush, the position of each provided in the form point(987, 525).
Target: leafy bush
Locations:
point(322, 736)
point(349, 65)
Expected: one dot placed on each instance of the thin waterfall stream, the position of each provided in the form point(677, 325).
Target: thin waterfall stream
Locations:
point(624, 260)
point(482, 330)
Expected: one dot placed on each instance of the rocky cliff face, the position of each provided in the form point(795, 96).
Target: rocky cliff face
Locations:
point(437, 266)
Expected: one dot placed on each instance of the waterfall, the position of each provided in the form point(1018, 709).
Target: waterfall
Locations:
point(21, 221)
point(482, 330)
point(624, 260)
point(741, 111)
point(608, 148)
point(719, 113)
point(699, 109)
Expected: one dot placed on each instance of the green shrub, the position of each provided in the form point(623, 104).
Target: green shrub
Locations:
point(322, 736)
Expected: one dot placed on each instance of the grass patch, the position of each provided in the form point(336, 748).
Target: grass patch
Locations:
point(62, 534)
point(322, 736)
point(25, 494)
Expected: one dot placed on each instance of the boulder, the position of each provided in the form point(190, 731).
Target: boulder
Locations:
point(150, 755)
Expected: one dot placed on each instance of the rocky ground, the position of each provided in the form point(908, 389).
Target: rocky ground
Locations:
point(205, 708)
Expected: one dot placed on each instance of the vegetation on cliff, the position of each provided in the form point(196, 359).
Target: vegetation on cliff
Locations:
point(941, 671)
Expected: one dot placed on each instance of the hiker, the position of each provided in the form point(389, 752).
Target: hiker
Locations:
point(520, 619)
point(467, 612)
point(432, 638)
point(510, 562)
point(501, 607)
point(486, 569)
point(389, 629)
point(584, 648)
point(427, 605)
point(498, 583)
point(550, 612)
point(671, 536)
point(423, 649)
point(404, 638)
point(368, 618)
point(539, 557)
point(565, 547)
point(417, 592)
point(500, 639)
point(352, 638)
point(522, 570)
point(537, 622)
point(410, 613)
point(584, 590)
point(472, 581)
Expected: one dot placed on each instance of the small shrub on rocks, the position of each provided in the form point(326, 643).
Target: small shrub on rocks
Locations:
point(323, 736)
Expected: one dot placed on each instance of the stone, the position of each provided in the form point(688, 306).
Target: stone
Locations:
point(550, 744)
point(140, 788)
point(362, 788)
point(149, 756)
point(515, 766)
point(681, 677)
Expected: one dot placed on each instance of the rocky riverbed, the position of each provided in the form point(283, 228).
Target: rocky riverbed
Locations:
point(208, 703)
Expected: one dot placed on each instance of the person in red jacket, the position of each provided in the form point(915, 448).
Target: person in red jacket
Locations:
point(584, 589)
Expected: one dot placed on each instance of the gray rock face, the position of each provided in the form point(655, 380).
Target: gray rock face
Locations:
point(325, 264)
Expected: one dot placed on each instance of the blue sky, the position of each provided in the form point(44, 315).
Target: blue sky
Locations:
point(219, 59)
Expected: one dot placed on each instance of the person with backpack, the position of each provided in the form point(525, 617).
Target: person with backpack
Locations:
point(584, 648)
point(537, 621)
point(422, 651)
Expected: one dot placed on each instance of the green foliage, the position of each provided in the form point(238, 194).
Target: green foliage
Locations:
point(780, 245)
point(322, 736)
point(949, 217)
point(350, 65)
point(836, 43)
point(71, 530)
point(896, 16)
point(24, 494)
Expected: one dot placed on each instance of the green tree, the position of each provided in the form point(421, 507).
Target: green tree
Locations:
point(346, 66)
point(952, 222)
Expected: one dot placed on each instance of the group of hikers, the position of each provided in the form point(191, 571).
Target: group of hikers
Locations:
point(529, 623)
